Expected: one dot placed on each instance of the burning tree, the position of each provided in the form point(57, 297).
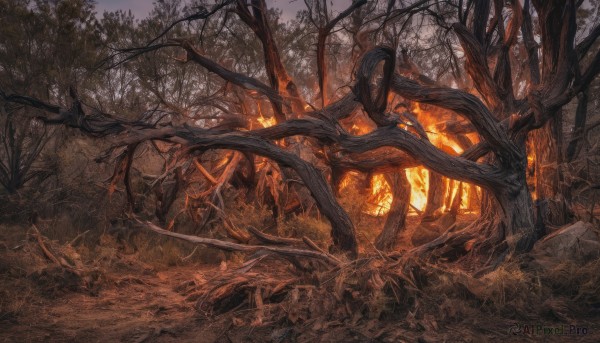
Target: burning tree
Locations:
point(391, 118)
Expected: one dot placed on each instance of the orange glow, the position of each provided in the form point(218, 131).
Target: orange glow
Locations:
point(266, 122)
point(361, 128)
point(380, 199)
point(347, 179)
point(531, 162)
point(418, 178)
point(223, 161)
point(262, 120)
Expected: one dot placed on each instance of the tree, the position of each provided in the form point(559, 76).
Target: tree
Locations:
point(46, 46)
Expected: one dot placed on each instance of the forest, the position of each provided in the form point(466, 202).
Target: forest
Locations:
point(300, 171)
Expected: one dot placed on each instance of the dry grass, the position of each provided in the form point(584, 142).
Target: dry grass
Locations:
point(576, 281)
point(380, 298)
point(304, 225)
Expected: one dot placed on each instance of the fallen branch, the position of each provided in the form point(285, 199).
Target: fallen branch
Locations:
point(79, 236)
point(183, 259)
point(204, 172)
point(315, 247)
point(232, 230)
point(271, 239)
point(49, 255)
point(229, 246)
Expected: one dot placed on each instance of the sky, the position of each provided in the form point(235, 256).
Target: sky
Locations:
point(141, 8)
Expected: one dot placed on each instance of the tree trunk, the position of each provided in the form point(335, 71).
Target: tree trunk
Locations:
point(396, 219)
point(548, 176)
point(435, 197)
point(517, 208)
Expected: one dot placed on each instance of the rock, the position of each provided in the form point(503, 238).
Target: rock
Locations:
point(578, 243)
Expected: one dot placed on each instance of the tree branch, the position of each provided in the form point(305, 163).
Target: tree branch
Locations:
point(584, 46)
point(477, 66)
point(463, 103)
point(321, 40)
point(230, 246)
point(237, 79)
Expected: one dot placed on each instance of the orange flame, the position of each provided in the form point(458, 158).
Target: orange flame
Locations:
point(262, 120)
point(266, 122)
point(380, 200)
point(381, 197)
point(418, 178)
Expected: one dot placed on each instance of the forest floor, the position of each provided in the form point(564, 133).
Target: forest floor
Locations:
point(125, 299)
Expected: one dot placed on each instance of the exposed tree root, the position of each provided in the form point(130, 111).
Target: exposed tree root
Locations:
point(480, 246)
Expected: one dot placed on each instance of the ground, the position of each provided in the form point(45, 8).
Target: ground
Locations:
point(121, 298)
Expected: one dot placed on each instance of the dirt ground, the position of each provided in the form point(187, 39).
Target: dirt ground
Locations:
point(125, 299)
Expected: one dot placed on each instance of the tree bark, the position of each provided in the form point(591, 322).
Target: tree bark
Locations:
point(518, 219)
point(548, 175)
point(435, 196)
point(396, 219)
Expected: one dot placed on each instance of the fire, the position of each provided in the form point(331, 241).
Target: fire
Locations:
point(347, 179)
point(380, 201)
point(381, 197)
point(531, 165)
point(262, 120)
point(266, 122)
point(418, 178)
point(360, 126)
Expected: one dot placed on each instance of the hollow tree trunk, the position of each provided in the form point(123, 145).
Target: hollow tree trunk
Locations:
point(396, 219)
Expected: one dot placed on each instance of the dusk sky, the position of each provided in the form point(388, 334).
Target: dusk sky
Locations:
point(141, 8)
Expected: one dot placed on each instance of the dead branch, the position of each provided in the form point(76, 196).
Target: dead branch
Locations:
point(315, 247)
point(232, 231)
point(476, 64)
point(256, 19)
point(396, 219)
point(204, 172)
point(271, 239)
point(323, 34)
point(229, 246)
point(462, 103)
point(45, 250)
point(236, 78)
point(49, 255)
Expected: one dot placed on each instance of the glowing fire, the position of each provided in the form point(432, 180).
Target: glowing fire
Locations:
point(262, 120)
point(418, 178)
point(266, 122)
point(380, 201)
point(531, 164)
point(381, 197)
